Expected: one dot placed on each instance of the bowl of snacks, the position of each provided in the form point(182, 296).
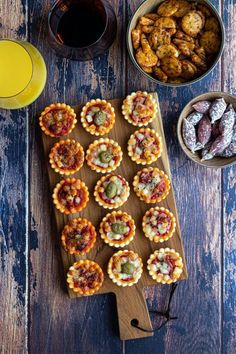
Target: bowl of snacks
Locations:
point(175, 42)
point(207, 129)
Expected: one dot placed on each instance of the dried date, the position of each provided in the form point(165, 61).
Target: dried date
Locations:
point(217, 109)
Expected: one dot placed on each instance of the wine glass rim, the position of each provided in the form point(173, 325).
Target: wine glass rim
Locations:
point(54, 6)
point(19, 43)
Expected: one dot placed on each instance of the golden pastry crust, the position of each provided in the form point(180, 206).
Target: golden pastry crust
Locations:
point(165, 266)
point(158, 224)
point(117, 229)
point(57, 120)
point(151, 185)
point(111, 191)
point(125, 268)
point(139, 108)
point(78, 236)
point(70, 195)
point(66, 157)
point(98, 117)
point(144, 146)
point(85, 277)
point(104, 155)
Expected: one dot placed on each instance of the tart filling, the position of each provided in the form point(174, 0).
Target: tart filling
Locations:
point(78, 236)
point(57, 120)
point(104, 155)
point(165, 265)
point(66, 157)
point(98, 117)
point(139, 108)
point(151, 185)
point(144, 146)
point(111, 191)
point(70, 195)
point(117, 229)
point(85, 277)
point(158, 224)
point(125, 268)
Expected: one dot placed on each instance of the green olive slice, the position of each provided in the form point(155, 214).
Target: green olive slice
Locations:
point(111, 190)
point(105, 156)
point(127, 268)
point(119, 228)
point(100, 118)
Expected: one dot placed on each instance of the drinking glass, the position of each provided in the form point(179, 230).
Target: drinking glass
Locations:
point(81, 29)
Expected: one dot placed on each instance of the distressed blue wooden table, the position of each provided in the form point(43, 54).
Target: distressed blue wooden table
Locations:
point(36, 315)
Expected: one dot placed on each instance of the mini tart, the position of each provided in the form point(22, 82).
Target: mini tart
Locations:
point(158, 224)
point(66, 157)
point(111, 191)
point(70, 195)
point(125, 268)
point(139, 108)
point(145, 146)
point(78, 236)
point(165, 265)
point(57, 120)
point(85, 277)
point(117, 229)
point(104, 155)
point(151, 185)
point(98, 117)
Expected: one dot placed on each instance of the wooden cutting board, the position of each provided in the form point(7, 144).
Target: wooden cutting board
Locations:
point(130, 301)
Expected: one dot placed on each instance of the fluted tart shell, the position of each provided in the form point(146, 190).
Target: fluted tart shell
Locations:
point(57, 120)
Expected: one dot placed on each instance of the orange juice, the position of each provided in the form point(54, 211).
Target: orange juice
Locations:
point(22, 74)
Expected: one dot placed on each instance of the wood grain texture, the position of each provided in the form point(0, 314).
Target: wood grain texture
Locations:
point(13, 209)
point(136, 307)
point(229, 197)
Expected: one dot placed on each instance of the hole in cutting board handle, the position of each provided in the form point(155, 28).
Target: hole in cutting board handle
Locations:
point(134, 322)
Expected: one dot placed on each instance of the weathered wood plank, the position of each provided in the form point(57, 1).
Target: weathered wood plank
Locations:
point(13, 209)
point(59, 324)
point(197, 301)
point(229, 196)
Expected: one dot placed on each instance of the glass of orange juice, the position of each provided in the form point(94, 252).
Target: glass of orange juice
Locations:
point(22, 74)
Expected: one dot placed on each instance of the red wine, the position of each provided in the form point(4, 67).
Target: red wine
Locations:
point(81, 25)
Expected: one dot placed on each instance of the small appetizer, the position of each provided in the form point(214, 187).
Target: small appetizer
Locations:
point(139, 108)
point(158, 224)
point(125, 268)
point(85, 277)
point(66, 157)
point(70, 195)
point(117, 229)
point(78, 236)
point(165, 265)
point(151, 185)
point(104, 155)
point(144, 146)
point(111, 191)
point(57, 120)
point(98, 117)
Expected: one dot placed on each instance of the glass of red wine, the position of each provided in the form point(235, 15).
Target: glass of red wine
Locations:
point(81, 29)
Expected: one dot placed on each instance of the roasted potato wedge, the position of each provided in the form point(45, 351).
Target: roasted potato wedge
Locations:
point(189, 70)
point(146, 58)
point(168, 8)
point(159, 37)
point(147, 29)
point(186, 48)
point(204, 9)
point(136, 37)
point(210, 41)
point(159, 74)
point(199, 62)
point(144, 21)
point(200, 51)
point(184, 7)
point(192, 23)
point(152, 16)
point(167, 50)
point(171, 66)
point(165, 22)
point(181, 35)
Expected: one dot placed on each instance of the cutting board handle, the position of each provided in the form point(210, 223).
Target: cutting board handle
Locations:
point(131, 305)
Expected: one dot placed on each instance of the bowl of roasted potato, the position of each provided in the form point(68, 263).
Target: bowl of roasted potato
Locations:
point(175, 42)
